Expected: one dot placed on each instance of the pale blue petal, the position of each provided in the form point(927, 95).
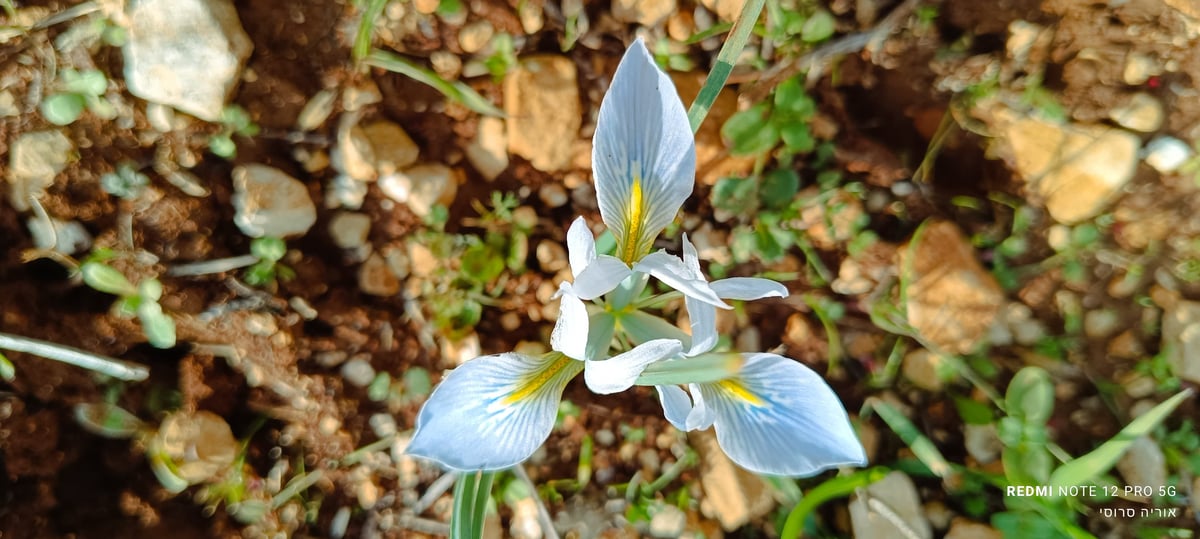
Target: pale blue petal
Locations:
point(600, 277)
point(748, 288)
point(672, 271)
point(643, 327)
point(581, 246)
point(643, 153)
point(701, 417)
point(493, 411)
point(703, 320)
point(621, 371)
point(676, 405)
point(570, 333)
point(779, 417)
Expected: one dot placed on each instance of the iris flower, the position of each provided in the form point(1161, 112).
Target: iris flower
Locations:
point(771, 414)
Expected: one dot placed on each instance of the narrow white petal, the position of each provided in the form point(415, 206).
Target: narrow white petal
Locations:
point(600, 277)
point(570, 333)
point(643, 153)
point(701, 417)
point(493, 411)
point(779, 417)
point(581, 246)
point(644, 327)
point(621, 371)
point(691, 258)
point(672, 271)
point(748, 288)
point(676, 405)
point(703, 319)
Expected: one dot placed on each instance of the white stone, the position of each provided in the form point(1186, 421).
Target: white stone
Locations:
point(269, 203)
point(317, 110)
point(1076, 169)
point(488, 151)
point(1141, 113)
point(391, 146)
point(643, 12)
point(1144, 464)
point(732, 496)
point(421, 187)
point(349, 230)
point(541, 100)
point(66, 237)
point(668, 522)
point(376, 278)
point(525, 522)
point(1181, 339)
point(187, 54)
point(1139, 68)
point(358, 372)
point(475, 36)
point(34, 160)
point(1167, 154)
point(982, 442)
point(897, 494)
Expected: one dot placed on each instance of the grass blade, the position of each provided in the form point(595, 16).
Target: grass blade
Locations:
point(1101, 459)
point(921, 445)
point(456, 91)
point(725, 59)
point(834, 488)
point(362, 38)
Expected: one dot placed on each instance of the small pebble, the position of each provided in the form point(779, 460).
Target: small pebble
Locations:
point(358, 372)
point(383, 425)
point(605, 437)
point(553, 195)
point(649, 460)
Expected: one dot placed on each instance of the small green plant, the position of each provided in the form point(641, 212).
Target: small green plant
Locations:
point(269, 252)
point(78, 91)
point(503, 57)
point(234, 121)
point(139, 301)
point(785, 119)
point(125, 182)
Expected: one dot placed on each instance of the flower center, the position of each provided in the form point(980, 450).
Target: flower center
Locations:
point(634, 220)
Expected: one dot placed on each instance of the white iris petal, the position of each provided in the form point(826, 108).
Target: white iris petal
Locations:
point(621, 371)
point(594, 275)
point(643, 153)
point(570, 333)
point(670, 270)
point(676, 405)
point(492, 412)
point(779, 417)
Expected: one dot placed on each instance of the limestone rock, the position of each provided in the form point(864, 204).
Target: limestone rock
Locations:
point(475, 36)
point(391, 146)
point(643, 12)
point(732, 495)
point(1076, 169)
point(725, 9)
point(421, 187)
point(187, 54)
point(1141, 113)
point(269, 203)
point(488, 151)
point(376, 278)
point(1181, 339)
point(541, 99)
point(952, 300)
point(34, 160)
point(896, 492)
point(349, 230)
point(1167, 154)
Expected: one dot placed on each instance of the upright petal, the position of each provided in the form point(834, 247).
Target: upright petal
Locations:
point(493, 411)
point(702, 318)
point(581, 246)
point(779, 417)
point(701, 417)
point(600, 277)
point(570, 333)
point(643, 153)
point(671, 270)
point(619, 372)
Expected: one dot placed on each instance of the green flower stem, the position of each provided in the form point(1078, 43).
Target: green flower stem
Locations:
point(725, 60)
point(696, 370)
point(74, 356)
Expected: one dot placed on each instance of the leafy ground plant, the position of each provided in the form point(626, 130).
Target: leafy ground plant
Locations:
point(139, 301)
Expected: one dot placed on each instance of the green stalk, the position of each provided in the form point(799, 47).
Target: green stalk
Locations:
point(471, 493)
point(725, 60)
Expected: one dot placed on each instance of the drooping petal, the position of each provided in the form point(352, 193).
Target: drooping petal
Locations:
point(644, 327)
point(676, 405)
point(619, 372)
point(493, 411)
point(748, 288)
point(643, 153)
point(570, 335)
point(779, 417)
point(581, 246)
point(600, 277)
point(691, 258)
point(701, 417)
point(671, 270)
